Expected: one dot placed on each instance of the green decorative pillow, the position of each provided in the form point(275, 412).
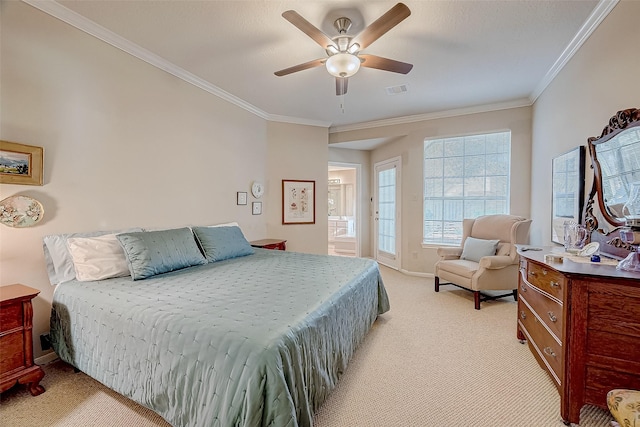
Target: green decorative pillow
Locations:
point(220, 243)
point(156, 252)
point(474, 249)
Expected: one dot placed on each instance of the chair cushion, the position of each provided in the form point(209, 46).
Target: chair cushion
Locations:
point(474, 248)
point(459, 267)
point(624, 406)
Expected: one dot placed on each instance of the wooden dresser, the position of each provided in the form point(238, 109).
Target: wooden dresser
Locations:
point(16, 345)
point(582, 324)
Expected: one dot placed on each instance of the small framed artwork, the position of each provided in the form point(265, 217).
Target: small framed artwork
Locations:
point(256, 208)
point(567, 191)
point(241, 198)
point(20, 164)
point(298, 202)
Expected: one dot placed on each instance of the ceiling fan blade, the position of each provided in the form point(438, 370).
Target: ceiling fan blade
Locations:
point(300, 67)
point(380, 63)
point(341, 85)
point(375, 30)
point(308, 28)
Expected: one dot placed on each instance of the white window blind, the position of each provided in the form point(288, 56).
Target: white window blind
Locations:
point(464, 177)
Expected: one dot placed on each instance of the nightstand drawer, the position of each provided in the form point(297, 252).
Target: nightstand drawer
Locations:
point(549, 310)
point(546, 279)
point(11, 352)
point(10, 317)
point(544, 343)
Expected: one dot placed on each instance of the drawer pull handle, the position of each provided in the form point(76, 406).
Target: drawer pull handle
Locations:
point(552, 317)
point(523, 288)
point(532, 273)
point(549, 352)
point(544, 271)
point(523, 315)
point(554, 284)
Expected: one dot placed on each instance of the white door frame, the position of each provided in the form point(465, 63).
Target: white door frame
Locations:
point(394, 262)
point(358, 196)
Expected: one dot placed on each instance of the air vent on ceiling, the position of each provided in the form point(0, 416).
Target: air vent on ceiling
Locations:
point(395, 90)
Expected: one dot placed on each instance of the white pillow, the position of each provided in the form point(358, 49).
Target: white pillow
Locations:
point(56, 254)
point(97, 258)
point(228, 224)
point(474, 249)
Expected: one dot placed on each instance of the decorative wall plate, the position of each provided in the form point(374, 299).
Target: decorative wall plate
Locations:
point(20, 211)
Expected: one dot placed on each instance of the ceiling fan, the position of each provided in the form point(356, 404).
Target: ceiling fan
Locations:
point(344, 58)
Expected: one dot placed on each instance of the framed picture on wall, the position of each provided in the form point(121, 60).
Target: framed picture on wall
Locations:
point(567, 191)
point(20, 164)
point(241, 198)
point(298, 202)
point(256, 208)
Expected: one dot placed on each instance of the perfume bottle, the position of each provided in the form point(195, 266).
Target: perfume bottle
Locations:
point(632, 261)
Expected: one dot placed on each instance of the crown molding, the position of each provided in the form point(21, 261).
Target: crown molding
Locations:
point(298, 121)
point(524, 102)
point(602, 9)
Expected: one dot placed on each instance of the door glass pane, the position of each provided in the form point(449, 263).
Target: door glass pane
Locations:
point(387, 211)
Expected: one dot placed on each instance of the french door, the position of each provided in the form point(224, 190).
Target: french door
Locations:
point(387, 212)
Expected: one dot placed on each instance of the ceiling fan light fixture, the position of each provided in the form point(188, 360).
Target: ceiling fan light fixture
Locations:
point(343, 64)
point(332, 50)
point(353, 48)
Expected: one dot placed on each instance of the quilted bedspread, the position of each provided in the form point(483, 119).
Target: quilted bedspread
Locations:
point(259, 340)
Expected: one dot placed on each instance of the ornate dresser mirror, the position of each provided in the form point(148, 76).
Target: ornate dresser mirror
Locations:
point(615, 159)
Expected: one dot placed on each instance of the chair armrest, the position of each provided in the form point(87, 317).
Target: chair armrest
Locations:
point(497, 261)
point(449, 252)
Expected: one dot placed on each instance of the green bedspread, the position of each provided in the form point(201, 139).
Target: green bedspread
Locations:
point(259, 340)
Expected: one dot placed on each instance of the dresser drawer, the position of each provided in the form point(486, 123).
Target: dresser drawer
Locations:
point(546, 279)
point(544, 343)
point(549, 310)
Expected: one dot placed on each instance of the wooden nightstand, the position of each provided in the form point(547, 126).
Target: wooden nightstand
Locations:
point(16, 344)
point(277, 244)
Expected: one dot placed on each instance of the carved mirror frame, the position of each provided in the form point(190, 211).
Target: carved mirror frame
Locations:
point(607, 236)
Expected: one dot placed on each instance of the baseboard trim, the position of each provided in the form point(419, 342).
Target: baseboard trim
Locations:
point(46, 358)
point(417, 273)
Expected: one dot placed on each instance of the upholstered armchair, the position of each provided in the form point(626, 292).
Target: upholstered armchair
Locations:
point(487, 258)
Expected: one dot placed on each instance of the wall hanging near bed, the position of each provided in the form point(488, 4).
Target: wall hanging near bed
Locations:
point(298, 202)
point(20, 163)
point(20, 211)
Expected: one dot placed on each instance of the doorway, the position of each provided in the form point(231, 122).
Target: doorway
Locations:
point(387, 212)
point(344, 209)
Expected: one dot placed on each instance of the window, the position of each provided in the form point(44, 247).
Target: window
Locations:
point(464, 177)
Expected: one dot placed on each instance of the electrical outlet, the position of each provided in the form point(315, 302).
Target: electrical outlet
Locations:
point(45, 341)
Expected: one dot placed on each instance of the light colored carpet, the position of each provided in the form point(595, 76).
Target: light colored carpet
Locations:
point(431, 361)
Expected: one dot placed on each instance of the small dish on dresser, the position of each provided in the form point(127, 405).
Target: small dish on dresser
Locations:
point(589, 249)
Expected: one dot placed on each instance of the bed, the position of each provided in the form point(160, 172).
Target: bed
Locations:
point(253, 340)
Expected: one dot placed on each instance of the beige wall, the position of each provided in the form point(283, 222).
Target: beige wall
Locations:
point(409, 145)
point(297, 152)
point(127, 144)
point(362, 158)
point(601, 79)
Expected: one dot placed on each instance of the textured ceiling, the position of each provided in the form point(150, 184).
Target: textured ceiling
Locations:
point(465, 53)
